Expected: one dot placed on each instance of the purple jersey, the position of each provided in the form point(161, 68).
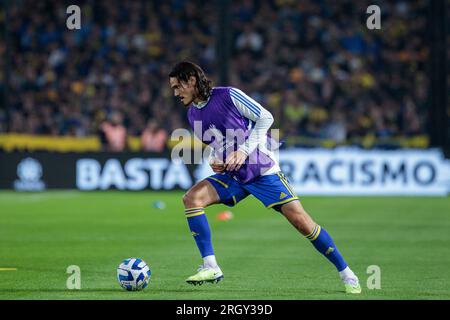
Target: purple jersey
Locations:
point(214, 118)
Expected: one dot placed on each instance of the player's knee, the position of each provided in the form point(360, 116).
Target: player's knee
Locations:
point(192, 200)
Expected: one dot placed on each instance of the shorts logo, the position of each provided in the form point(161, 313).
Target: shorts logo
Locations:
point(282, 195)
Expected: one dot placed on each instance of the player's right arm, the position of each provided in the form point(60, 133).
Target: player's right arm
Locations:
point(261, 118)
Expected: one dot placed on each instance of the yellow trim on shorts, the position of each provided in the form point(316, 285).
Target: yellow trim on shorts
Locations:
point(286, 184)
point(281, 202)
point(217, 180)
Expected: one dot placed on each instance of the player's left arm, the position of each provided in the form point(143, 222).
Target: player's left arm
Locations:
point(262, 120)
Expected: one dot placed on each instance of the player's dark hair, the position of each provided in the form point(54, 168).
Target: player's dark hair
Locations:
point(185, 69)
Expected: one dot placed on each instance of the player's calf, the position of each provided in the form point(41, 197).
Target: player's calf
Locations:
point(323, 243)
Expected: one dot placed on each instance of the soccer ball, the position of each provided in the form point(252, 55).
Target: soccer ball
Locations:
point(133, 274)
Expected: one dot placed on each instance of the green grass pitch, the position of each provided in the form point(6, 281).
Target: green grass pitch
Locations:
point(261, 255)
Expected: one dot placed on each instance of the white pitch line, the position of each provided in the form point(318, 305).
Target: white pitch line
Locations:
point(8, 269)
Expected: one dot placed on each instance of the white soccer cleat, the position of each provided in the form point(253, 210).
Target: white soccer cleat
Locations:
point(352, 285)
point(205, 274)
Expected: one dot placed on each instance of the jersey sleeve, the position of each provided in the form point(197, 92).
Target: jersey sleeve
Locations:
point(253, 111)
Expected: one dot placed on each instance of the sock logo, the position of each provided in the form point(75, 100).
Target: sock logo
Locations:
point(194, 234)
point(329, 250)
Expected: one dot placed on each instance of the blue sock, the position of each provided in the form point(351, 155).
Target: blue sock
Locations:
point(199, 226)
point(322, 241)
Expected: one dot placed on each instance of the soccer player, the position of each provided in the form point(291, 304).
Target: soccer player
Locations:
point(242, 167)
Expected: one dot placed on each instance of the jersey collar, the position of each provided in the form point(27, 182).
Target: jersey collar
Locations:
point(201, 104)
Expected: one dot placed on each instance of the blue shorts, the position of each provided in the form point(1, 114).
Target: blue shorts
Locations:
point(272, 190)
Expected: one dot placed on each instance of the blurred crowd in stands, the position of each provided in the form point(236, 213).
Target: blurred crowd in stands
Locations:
point(314, 64)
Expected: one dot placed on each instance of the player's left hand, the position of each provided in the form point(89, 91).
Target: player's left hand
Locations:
point(235, 160)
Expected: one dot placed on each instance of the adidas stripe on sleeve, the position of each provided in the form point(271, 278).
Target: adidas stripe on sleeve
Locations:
point(253, 111)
